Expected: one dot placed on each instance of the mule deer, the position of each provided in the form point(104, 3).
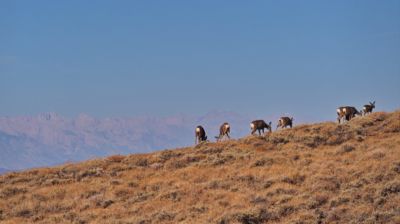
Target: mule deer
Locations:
point(368, 108)
point(224, 130)
point(283, 122)
point(260, 125)
point(346, 112)
point(200, 135)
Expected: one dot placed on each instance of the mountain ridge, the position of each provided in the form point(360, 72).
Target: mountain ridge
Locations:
point(314, 173)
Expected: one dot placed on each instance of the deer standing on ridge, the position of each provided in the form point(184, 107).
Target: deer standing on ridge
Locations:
point(200, 135)
point(368, 108)
point(283, 122)
point(346, 112)
point(224, 130)
point(260, 125)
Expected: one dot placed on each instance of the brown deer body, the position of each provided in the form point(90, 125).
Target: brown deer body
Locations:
point(283, 122)
point(200, 135)
point(260, 125)
point(346, 112)
point(224, 130)
point(368, 108)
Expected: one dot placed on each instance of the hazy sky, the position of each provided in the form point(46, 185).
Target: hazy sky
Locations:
point(128, 58)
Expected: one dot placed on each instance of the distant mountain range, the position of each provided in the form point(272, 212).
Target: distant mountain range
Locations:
point(2, 170)
point(49, 139)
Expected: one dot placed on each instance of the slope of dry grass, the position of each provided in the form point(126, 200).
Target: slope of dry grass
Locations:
point(320, 173)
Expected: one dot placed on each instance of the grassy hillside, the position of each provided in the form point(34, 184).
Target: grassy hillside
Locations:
point(319, 173)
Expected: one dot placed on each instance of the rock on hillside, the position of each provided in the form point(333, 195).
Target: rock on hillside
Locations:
point(320, 173)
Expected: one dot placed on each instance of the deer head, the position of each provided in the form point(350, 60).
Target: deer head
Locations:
point(372, 104)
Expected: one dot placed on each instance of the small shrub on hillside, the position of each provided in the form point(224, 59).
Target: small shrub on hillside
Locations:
point(116, 158)
point(121, 193)
point(11, 191)
point(142, 162)
point(339, 201)
point(312, 141)
point(133, 184)
point(141, 196)
point(89, 194)
point(345, 149)
point(169, 154)
point(282, 191)
point(25, 213)
point(251, 217)
point(164, 216)
point(378, 155)
point(219, 184)
point(173, 196)
point(192, 159)
point(247, 179)
point(295, 157)
point(268, 183)
point(318, 201)
point(222, 159)
point(39, 197)
point(296, 179)
point(105, 204)
point(391, 188)
point(258, 200)
point(177, 164)
point(383, 217)
point(286, 210)
point(198, 209)
point(339, 138)
point(263, 162)
point(94, 172)
point(396, 167)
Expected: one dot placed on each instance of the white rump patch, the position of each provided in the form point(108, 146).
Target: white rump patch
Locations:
point(338, 110)
point(197, 130)
point(251, 125)
point(365, 108)
point(227, 126)
point(344, 110)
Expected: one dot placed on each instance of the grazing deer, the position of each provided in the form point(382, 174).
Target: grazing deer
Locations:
point(368, 108)
point(200, 135)
point(283, 122)
point(260, 125)
point(225, 129)
point(346, 112)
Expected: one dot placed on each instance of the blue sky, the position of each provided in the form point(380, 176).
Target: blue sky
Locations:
point(129, 58)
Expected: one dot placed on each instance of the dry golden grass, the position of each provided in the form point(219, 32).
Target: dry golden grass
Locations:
point(320, 173)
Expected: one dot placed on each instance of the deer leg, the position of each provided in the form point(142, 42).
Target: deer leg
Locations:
point(340, 119)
